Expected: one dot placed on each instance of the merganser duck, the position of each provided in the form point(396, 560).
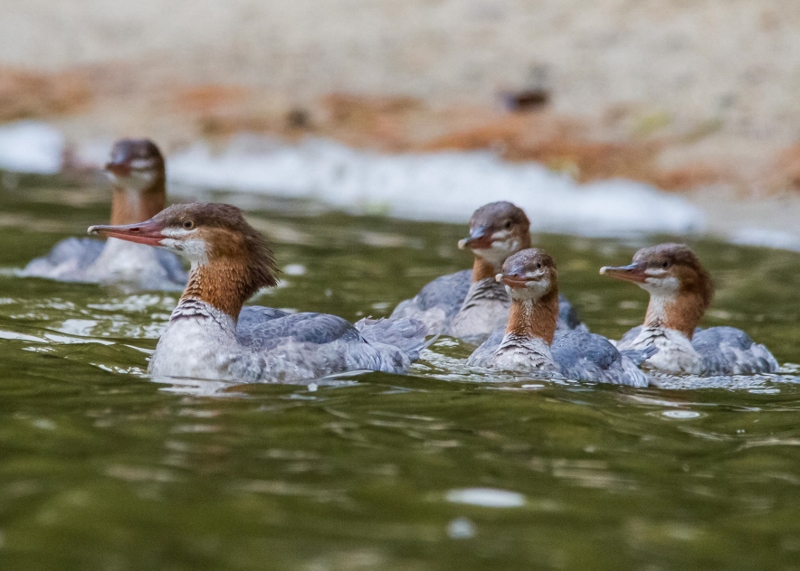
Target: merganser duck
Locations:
point(680, 292)
point(136, 169)
point(210, 335)
point(470, 304)
point(530, 342)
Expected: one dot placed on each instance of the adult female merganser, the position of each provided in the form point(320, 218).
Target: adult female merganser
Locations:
point(470, 304)
point(137, 173)
point(680, 292)
point(530, 342)
point(206, 337)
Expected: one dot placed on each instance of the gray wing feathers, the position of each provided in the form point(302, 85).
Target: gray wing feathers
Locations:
point(639, 356)
point(591, 357)
point(313, 328)
point(438, 302)
point(251, 315)
point(310, 345)
point(407, 334)
point(447, 292)
point(629, 337)
point(731, 351)
point(482, 356)
point(567, 316)
point(579, 354)
point(66, 261)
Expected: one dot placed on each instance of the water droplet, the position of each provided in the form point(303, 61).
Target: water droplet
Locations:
point(680, 414)
point(486, 497)
point(461, 528)
point(44, 424)
point(294, 269)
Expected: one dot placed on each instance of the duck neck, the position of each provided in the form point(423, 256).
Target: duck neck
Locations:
point(481, 269)
point(681, 313)
point(222, 284)
point(129, 206)
point(534, 318)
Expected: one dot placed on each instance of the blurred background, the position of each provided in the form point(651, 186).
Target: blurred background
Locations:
point(696, 97)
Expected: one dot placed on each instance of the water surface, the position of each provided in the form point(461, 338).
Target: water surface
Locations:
point(103, 468)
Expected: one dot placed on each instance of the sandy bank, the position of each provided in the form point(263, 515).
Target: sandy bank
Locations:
point(683, 95)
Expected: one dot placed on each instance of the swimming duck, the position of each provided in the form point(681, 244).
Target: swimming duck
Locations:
point(531, 341)
point(680, 292)
point(136, 170)
point(470, 304)
point(211, 336)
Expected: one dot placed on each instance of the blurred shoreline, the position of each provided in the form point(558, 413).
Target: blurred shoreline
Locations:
point(691, 97)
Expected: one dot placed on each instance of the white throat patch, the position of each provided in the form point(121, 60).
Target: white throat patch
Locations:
point(503, 245)
point(186, 243)
point(137, 181)
point(659, 282)
point(532, 290)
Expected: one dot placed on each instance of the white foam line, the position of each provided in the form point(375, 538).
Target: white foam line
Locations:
point(31, 147)
point(444, 187)
point(486, 497)
point(765, 237)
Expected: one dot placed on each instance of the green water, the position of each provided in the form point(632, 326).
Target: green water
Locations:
point(102, 468)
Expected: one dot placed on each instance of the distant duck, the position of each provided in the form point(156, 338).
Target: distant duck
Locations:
point(136, 169)
point(211, 336)
point(531, 343)
point(680, 292)
point(470, 304)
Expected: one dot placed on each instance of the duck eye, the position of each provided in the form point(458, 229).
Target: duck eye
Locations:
point(507, 225)
point(188, 224)
point(665, 264)
point(538, 265)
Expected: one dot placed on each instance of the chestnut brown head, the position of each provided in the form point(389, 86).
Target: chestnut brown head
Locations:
point(204, 234)
point(496, 231)
point(135, 164)
point(667, 270)
point(529, 274)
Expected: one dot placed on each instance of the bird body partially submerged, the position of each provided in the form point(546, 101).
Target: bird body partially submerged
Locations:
point(470, 304)
point(136, 169)
point(531, 342)
point(680, 292)
point(211, 336)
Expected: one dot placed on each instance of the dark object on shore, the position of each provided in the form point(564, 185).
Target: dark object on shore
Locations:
point(531, 94)
point(298, 119)
point(525, 100)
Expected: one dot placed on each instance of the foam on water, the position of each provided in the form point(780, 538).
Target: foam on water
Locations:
point(445, 187)
point(777, 239)
point(486, 497)
point(31, 147)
